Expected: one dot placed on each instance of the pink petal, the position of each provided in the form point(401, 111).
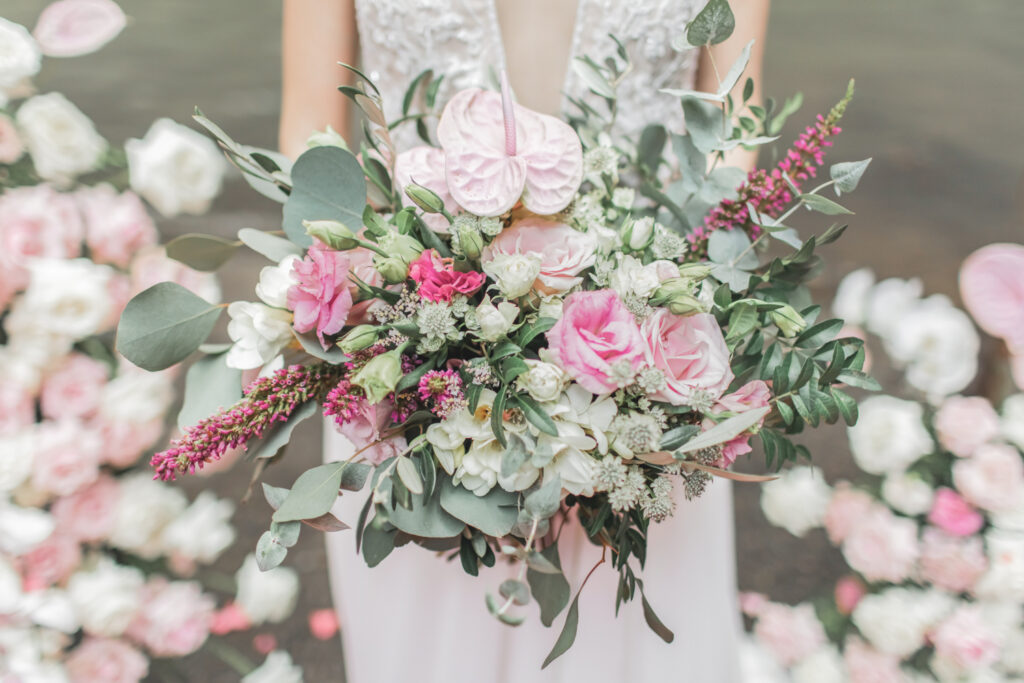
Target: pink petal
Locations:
point(554, 157)
point(425, 166)
point(485, 183)
point(69, 28)
point(992, 287)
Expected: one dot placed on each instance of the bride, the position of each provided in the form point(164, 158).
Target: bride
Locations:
point(414, 617)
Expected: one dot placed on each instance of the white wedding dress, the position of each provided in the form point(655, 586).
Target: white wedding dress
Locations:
point(416, 617)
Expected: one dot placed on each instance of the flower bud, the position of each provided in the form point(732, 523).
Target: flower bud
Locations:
point(327, 138)
point(404, 247)
point(514, 273)
point(684, 304)
point(380, 376)
point(495, 321)
point(543, 381)
point(470, 241)
point(424, 198)
point(694, 271)
point(334, 234)
point(358, 338)
point(638, 234)
point(393, 269)
point(789, 322)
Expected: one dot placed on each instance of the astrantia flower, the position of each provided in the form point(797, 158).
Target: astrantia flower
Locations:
point(635, 434)
point(600, 161)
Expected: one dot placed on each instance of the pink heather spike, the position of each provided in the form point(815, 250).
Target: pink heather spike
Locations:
point(510, 117)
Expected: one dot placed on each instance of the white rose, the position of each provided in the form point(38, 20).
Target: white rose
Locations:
point(137, 396)
point(633, 279)
point(69, 298)
point(514, 273)
point(495, 321)
point(275, 281)
point(175, 168)
point(259, 332)
point(851, 302)
point(144, 509)
point(277, 668)
point(106, 597)
point(888, 302)
point(1012, 421)
point(824, 665)
point(17, 452)
point(896, 620)
point(1013, 652)
point(797, 500)
point(50, 609)
point(266, 596)
point(23, 528)
point(543, 381)
point(551, 307)
point(639, 233)
point(203, 531)
point(907, 493)
point(992, 478)
point(889, 435)
point(20, 57)
point(61, 139)
point(1004, 579)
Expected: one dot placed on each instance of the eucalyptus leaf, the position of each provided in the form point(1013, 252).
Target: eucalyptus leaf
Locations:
point(354, 475)
point(593, 78)
point(815, 202)
point(209, 386)
point(268, 244)
point(327, 184)
point(568, 635)
point(494, 513)
point(312, 494)
point(426, 517)
point(543, 502)
point(275, 438)
point(847, 175)
point(311, 345)
point(409, 475)
point(378, 542)
point(163, 325)
point(201, 252)
point(712, 25)
point(550, 589)
point(326, 522)
point(516, 591)
point(275, 495)
point(286, 533)
point(734, 73)
point(731, 247)
point(269, 553)
point(654, 622)
point(736, 279)
point(725, 431)
point(703, 123)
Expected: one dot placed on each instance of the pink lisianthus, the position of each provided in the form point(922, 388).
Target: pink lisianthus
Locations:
point(366, 426)
point(992, 478)
point(882, 546)
point(750, 396)
point(105, 660)
point(174, 619)
point(848, 592)
point(439, 281)
point(116, 225)
point(264, 643)
point(67, 457)
point(562, 251)
point(963, 423)
point(952, 563)
point(966, 640)
point(74, 389)
point(321, 299)
point(70, 28)
point(953, 514)
point(597, 341)
point(992, 287)
point(11, 146)
point(424, 166)
point(789, 633)
point(89, 513)
point(864, 664)
point(847, 507)
point(50, 562)
point(691, 351)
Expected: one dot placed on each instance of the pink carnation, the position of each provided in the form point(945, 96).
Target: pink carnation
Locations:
point(174, 619)
point(750, 396)
point(50, 562)
point(864, 664)
point(953, 514)
point(966, 640)
point(152, 265)
point(124, 441)
point(597, 341)
point(116, 225)
point(366, 427)
point(691, 351)
point(439, 281)
point(992, 479)
point(964, 423)
point(789, 633)
point(848, 592)
point(992, 287)
point(105, 660)
point(67, 457)
point(89, 513)
point(882, 546)
point(847, 507)
point(74, 388)
point(321, 299)
point(563, 252)
point(950, 562)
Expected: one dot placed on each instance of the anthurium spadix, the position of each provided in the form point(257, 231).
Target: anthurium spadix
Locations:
point(497, 152)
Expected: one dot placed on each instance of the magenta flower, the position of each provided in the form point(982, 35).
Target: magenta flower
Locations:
point(442, 390)
point(439, 281)
point(321, 300)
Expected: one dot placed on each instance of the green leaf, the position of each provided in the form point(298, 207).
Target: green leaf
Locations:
point(514, 456)
point(785, 412)
point(742, 320)
point(354, 475)
point(725, 430)
point(269, 552)
point(692, 162)
point(703, 123)
point(163, 325)
point(664, 632)
point(201, 252)
point(413, 378)
point(286, 533)
point(677, 436)
point(312, 494)
point(209, 386)
point(847, 406)
point(592, 77)
point(275, 495)
point(498, 415)
point(409, 475)
point(731, 247)
point(516, 591)
point(268, 244)
point(733, 76)
point(847, 175)
point(856, 378)
point(328, 184)
point(278, 436)
point(311, 345)
point(426, 518)
point(818, 334)
point(410, 92)
point(650, 147)
point(378, 541)
point(816, 202)
point(544, 501)
point(494, 513)
point(550, 590)
point(471, 565)
point(503, 349)
point(536, 415)
point(568, 635)
point(530, 331)
point(712, 25)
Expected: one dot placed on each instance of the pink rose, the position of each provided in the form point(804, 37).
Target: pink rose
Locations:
point(563, 252)
point(17, 407)
point(965, 639)
point(105, 660)
point(882, 546)
point(952, 563)
point(67, 457)
point(119, 290)
point(365, 428)
point(323, 623)
point(691, 351)
point(847, 507)
point(439, 281)
point(789, 633)
point(361, 266)
point(74, 388)
point(597, 341)
point(89, 513)
point(752, 604)
point(864, 664)
point(152, 265)
point(751, 395)
point(69, 28)
point(125, 441)
point(116, 225)
point(953, 514)
point(964, 423)
point(321, 299)
point(992, 479)
point(11, 147)
point(992, 287)
point(848, 592)
point(264, 643)
point(229, 618)
point(174, 619)
point(50, 562)
point(424, 166)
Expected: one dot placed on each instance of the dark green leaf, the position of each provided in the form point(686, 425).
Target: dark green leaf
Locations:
point(413, 378)
point(503, 349)
point(163, 325)
point(516, 591)
point(847, 406)
point(498, 415)
point(568, 635)
point(528, 332)
point(855, 378)
point(536, 415)
point(650, 147)
point(378, 542)
point(818, 334)
point(654, 622)
point(677, 436)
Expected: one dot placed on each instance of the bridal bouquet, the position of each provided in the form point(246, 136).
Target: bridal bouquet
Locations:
point(95, 556)
point(520, 321)
point(934, 533)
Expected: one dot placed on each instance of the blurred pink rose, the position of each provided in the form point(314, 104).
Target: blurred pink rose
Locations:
point(597, 341)
point(882, 546)
point(105, 660)
point(88, 514)
point(229, 618)
point(74, 388)
point(992, 479)
point(965, 422)
point(321, 299)
point(125, 441)
point(116, 225)
point(67, 457)
point(952, 563)
point(992, 287)
point(69, 28)
point(965, 638)
point(174, 619)
point(119, 288)
point(789, 633)
point(751, 395)
point(323, 623)
point(17, 407)
point(752, 604)
point(953, 514)
point(264, 643)
point(848, 592)
point(366, 427)
point(563, 252)
point(847, 508)
point(50, 562)
point(424, 166)
point(439, 281)
point(151, 265)
point(691, 351)
point(864, 664)
point(11, 147)
point(1017, 369)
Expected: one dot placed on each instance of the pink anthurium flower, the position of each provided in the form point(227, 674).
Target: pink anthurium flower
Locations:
point(424, 166)
point(992, 287)
point(70, 28)
point(497, 152)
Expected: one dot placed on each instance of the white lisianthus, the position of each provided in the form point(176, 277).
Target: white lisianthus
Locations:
point(1012, 420)
point(851, 302)
point(259, 333)
point(889, 435)
point(203, 531)
point(514, 273)
point(888, 302)
point(137, 396)
point(495, 320)
point(62, 140)
point(633, 279)
point(907, 493)
point(551, 307)
point(896, 620)
point(266, 596)
point(68, 297)
point(144, 509)
point(480, 467)
point(276, 668)
point(22, 528)
point(543, 381)
point(1004, 579)
point(20, 58)
point(17, 452)
point(824, 665)
point(797, 500)
point(275, 281)
point(175, 168)
point(448, 437)
point(106, 597)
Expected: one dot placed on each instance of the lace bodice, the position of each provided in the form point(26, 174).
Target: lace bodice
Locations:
point(462, 40)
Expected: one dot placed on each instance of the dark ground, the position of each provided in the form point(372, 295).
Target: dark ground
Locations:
point(938, 106)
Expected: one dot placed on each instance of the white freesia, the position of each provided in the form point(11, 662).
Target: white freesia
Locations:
point(907, 493)
point(137, 396)
point(514, 273)
point(276, 668)
point(824, 665)
point(23, 528)
point(67, 297)
point(1004, 579)
point(551, 307)
point(594, 414)
point(17, 452)
point(889, 435)
point(275, 281)
point(175, 168)
point(62, 140)
point(106, 597)
point(259, 333)
point(144, 509)
point(571, 462)
point(896, 620)
point(543, 381)
point(888, 302)
point(851, 302)
point(480, 466)
point(495, 320)
point(203, 531)
point(631, 278)
point(266, 596)
point(797, 500)
point(1012, 420)
point(20, 57)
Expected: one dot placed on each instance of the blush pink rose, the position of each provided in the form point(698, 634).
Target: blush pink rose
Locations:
point(365, 428)
point(882, 546)
point(105, 660)
point(597, 341)
point(848, 592)
point(563, 252)
point(67, 457)
point(952, 563)
point(439, 281)
point(125, 441)
point(846, 508)
point(152, 265)
point(17, 407)
point(321, 299)
point(89, 513)
point(751, 395)
point(992, 287)
point(50, 562)
point(229, 618)
point(69, 28)
point(424, 166)
point(691, 351)
point(323, 623)
point(11, 147)
point(965, 639)
point(953, 514)
point(74, 388)
point(864, 664)
point(752, 604)
point(361, 266)
point(174, 619)
point(264, 643)
point(789, 633)
point(992, 479)
point(116, 225)
point(1017, 369)
point(965, 422)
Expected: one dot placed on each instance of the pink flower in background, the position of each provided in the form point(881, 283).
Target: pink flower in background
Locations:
point(264, 643)
point(17, 407)
point(965, 422)
point(88, 514)
point(992, 479)
point(229, 618)
point(691, 351)
point(124, 441)
point(74, 388)
point(597, 341)
point(751, 395)
point(424, 166)
point(439, 281)
point(50, 562)
point(992, 287)
point(119, 290)
point(365, 427)
point(966, 639)
point(864, 664)
point(70, 28)
point(67, 457)
point(105, 660)
point(953, 514)
point(882, 546)
point(151, 265)
point(950, 562)
point(1017, 369)
point(789, 633)
point(116, 225)
point(848, 592)
point(752, 604)
point(174, 619)
point(11, 146)
point(321, 299)
point(562, 251)
point(323, 623)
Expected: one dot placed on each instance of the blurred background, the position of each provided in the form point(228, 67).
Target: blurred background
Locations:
point(939, 96)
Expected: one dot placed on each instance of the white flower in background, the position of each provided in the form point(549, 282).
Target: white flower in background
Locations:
point(275, 281)
point(203, 531)
point(896, 620)
point(266, 596)
point(543, 381)
point(62, 141)
point(907, 493)
point(889, 435)
point(29, 655)
point(277, 668)
point(106, 597)
point(851, 302)
point(23, 528)
point(51, 609)
point(175, 168)
point(1011, 519)
point(16, 454)
point(144, 509)
point(992, 478)
point(495, 320)
point(1012, 421)
point(514, 273)
point(824, 665)
point(68, 297)
point(10, 587)
point(757, 664)
point(70, 28)
point(1004, 579)
point(1012, 658)
point(20, 58)
point(888, 302)
point(797, 500)
point(137, 396)
point(259, 333)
